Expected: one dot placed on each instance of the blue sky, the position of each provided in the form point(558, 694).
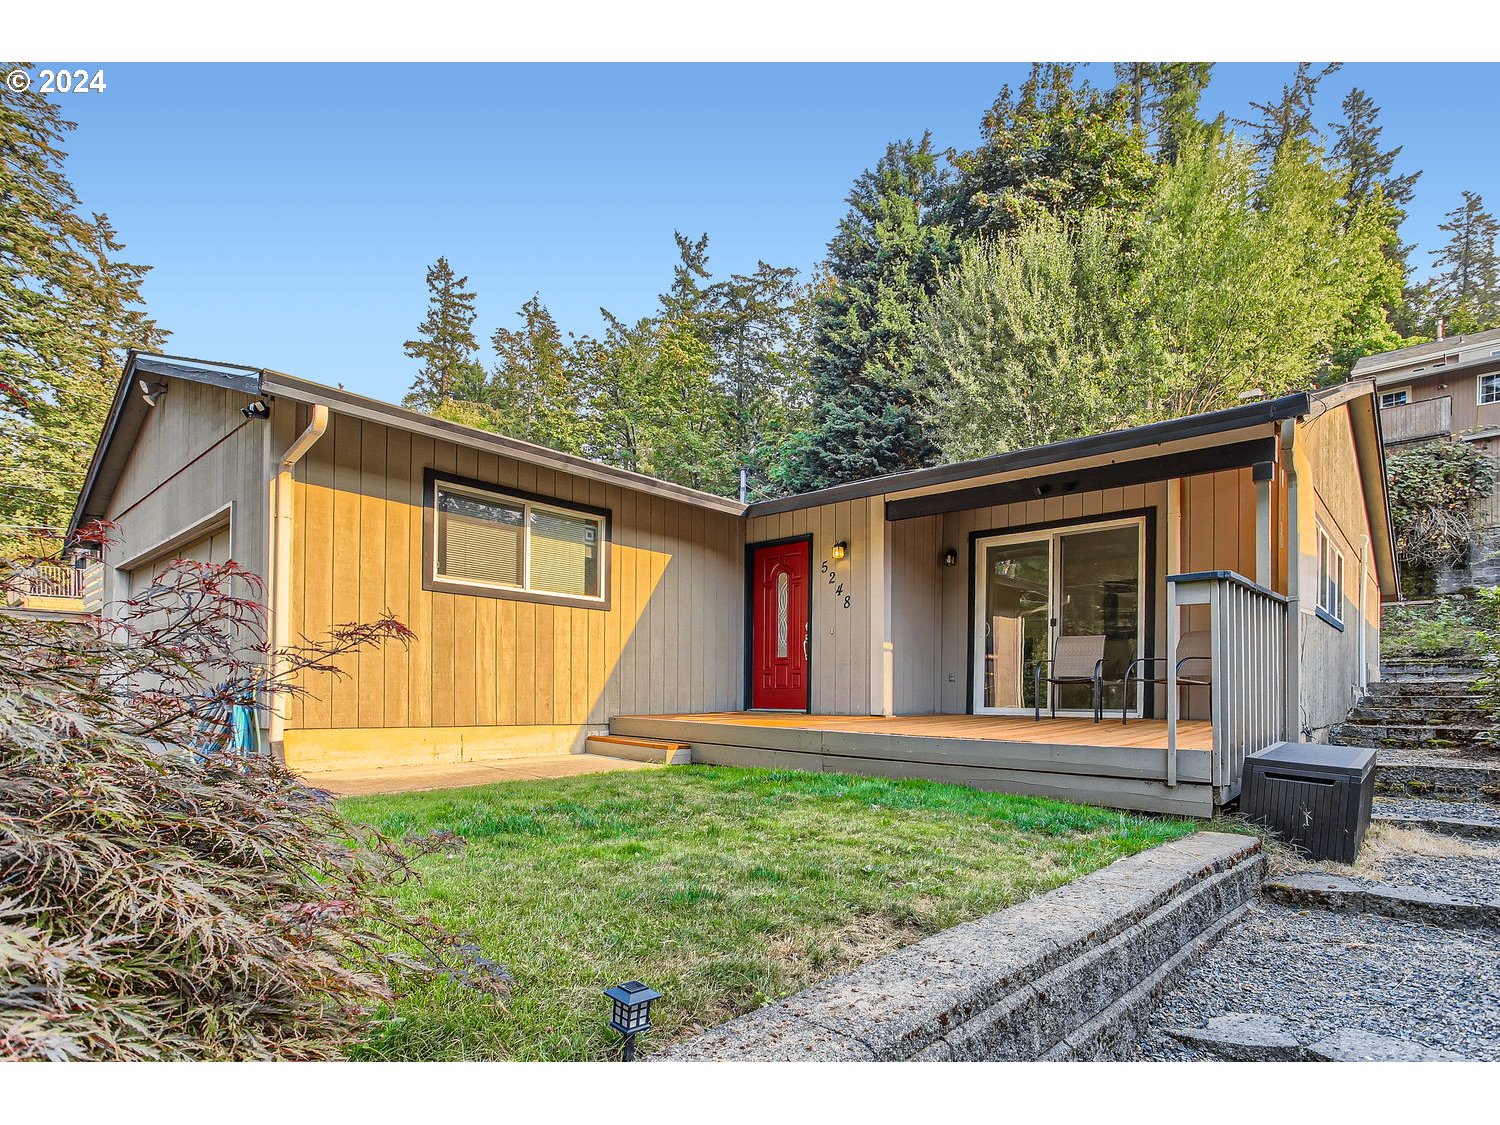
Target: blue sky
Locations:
point(290, 211)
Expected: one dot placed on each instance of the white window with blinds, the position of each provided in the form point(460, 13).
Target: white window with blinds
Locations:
point(501, 542)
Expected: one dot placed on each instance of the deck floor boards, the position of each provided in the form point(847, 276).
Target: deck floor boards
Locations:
point(1149, 734)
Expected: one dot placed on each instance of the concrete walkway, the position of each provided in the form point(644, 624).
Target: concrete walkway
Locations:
point(405, 779)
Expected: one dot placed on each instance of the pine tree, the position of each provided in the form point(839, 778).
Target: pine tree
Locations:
point(1289, 117)
point(1163, 99)
point(882, 265)
point(1056, 145)
point(445, 343)
point(535, 392)
point(1368, 168)
point(69, 308)
point(1465, 286)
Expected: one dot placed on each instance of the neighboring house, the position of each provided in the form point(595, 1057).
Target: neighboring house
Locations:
point(1450, 386)
point(890, 626)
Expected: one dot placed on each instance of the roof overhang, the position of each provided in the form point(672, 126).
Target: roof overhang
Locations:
point(1359, 397)
point(1159, 439)
point(127, 414)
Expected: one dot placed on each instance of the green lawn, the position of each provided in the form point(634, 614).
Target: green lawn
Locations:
point(723, 888)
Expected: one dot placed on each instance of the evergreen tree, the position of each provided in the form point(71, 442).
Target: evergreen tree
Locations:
point(761, 362)
point(1163, 99)
point(445, 343)
point(1289, 117)
point(536, 393)
point(882, 264)
point(69, 309)
point(1368, 169)
point(1056, 145)
point(1465, 286)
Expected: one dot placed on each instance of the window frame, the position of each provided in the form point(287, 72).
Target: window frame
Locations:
point(1479, 398)
point(1333, 614)
point(433, 480)
point(1403, 391)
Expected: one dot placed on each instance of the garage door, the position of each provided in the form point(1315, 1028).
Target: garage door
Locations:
point(212, 548)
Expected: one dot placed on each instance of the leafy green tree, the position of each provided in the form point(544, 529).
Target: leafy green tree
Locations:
point(1163, 99)
point(1029, 339)
point(1056, 144)
point(445, 342)
point(882, 264)
point(1237, 281)
point(70, 306)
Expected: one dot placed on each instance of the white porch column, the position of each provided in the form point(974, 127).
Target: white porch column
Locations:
point(1264, 479)
point(881, 643)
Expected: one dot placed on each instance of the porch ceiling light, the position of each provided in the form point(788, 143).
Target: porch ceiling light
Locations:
point(630, 1013)
point(840, 549)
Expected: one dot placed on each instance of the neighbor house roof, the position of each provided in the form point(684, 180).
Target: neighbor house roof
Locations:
point(1415, 353)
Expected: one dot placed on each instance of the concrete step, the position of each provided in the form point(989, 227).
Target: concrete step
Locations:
point(1409, 670)
point(1252, 1037)
point(640, 749)
point(1445, 780)
point(1322, 891)
point(1473, 819)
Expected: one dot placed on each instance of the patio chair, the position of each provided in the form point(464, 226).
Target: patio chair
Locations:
point(1074, 660)
point(1195, 647)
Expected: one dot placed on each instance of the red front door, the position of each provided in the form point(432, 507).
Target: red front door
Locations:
point(780, 640)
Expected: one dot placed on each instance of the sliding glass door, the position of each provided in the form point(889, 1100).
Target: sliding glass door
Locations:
point(1030, 588)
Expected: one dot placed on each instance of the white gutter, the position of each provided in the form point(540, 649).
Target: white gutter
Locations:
point(279, 609)
point(1293, 717)
point(1364, 632)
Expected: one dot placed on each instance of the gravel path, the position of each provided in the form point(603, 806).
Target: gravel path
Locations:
point(1404, 980)
point(1466, 878)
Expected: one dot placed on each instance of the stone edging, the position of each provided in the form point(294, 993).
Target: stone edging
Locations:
point(1061, 976)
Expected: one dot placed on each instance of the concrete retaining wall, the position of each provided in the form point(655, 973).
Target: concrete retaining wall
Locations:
point(1062, 976)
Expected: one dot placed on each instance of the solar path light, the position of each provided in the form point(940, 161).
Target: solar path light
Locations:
point(630, 1013)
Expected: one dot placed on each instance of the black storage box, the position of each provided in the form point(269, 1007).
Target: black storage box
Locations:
point(1315, 797)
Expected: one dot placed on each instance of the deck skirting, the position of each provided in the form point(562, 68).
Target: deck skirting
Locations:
point(1126, 777)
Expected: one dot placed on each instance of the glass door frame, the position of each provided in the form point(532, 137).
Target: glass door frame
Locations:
point(1052, 534)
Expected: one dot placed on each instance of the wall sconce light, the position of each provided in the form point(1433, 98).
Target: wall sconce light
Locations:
point(630, 1013)
point(840, 549)
point(258, 409)
point(152, 392)
point(950, 557)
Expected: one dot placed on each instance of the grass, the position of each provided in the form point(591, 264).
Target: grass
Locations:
point(724, 888)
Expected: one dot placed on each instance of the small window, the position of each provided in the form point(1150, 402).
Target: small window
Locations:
point(1489, 389)
point(1395, 398)
point(1330, 577)
point(514, 545)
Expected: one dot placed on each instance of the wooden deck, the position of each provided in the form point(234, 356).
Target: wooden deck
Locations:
point(1106, 763)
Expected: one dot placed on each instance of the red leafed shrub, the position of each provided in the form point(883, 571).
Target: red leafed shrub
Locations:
point(161, 896)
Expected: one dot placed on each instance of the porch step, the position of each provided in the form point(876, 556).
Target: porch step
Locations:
point(651, 750)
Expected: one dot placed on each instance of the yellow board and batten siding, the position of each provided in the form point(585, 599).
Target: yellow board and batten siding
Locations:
point(497, 677)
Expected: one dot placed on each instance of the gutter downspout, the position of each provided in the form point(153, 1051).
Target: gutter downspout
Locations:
point(1292, 719)
point(282, 526)
point(1364, 630)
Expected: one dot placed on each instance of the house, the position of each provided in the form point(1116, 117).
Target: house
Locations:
point(1449, 387)
point(890, 626)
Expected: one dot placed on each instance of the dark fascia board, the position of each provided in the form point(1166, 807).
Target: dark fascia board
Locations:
point(1369, 451)
point(1115, 441)
point(1144, 470)
point(127, 414)
point(278, 383)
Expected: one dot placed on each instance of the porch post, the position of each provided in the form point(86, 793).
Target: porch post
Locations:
point(1264, 479)
point(881, 642)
